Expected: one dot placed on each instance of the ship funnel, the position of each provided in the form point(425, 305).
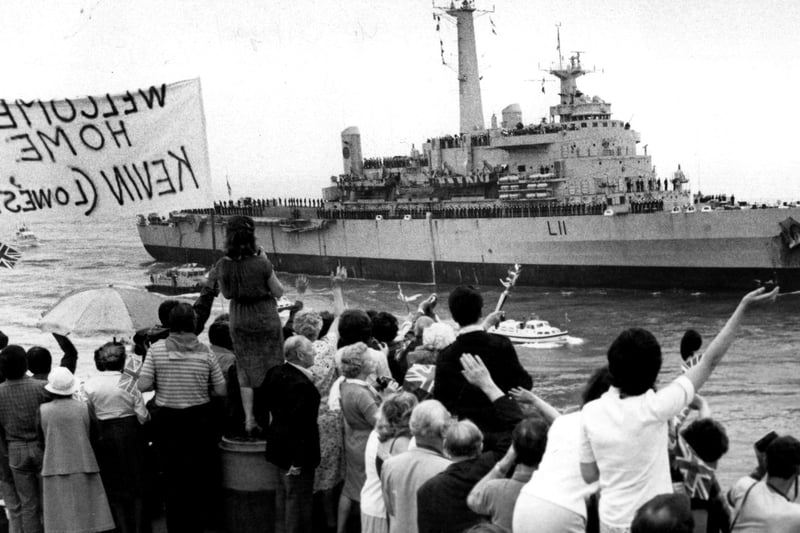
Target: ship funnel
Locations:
point(469, 85)
point(351, 152)
point(512, 115)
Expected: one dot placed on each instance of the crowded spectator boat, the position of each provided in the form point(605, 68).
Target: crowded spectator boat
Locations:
point(25, 238)
point(529, 331)
point(572, 197)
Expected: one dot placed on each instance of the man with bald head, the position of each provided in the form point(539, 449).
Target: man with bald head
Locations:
point(289, 395)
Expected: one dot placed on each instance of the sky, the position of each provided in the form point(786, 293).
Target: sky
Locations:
point(707, 83)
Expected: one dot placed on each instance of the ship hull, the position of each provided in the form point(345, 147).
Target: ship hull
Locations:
point(694, 251)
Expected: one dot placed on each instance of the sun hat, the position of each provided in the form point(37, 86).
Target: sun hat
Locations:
point(61, 382)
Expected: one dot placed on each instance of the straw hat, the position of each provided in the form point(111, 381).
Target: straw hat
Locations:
point(61, 382)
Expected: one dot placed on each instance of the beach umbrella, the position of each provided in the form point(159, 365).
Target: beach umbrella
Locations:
point(104, 311)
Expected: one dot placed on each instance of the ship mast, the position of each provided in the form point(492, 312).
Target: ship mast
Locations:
point(469, 87)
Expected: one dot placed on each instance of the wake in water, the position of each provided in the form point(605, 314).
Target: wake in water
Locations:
point(551, 345)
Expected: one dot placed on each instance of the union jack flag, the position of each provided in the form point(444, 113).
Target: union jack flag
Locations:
point(130, 373)
point(419, 380)
point(8, 256)
point(698, 477)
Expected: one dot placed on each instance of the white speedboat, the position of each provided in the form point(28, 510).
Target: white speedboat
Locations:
point(25, 238)
point(530, 331)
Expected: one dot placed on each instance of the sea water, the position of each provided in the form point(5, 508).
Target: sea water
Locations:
point(755, 389)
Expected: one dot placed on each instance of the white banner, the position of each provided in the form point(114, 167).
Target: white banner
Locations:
point(138, 152)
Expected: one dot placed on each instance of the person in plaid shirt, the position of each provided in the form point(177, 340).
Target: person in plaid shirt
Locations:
point(20, 398)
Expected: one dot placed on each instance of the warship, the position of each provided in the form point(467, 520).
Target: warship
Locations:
point(569, 197)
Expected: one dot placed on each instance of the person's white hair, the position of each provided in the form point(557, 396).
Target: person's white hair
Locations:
point(307, 323)
point(438, 336)
point(429, 419)
point(463, 439)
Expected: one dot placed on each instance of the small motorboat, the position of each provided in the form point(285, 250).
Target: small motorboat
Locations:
point(25, 238)
point(530, 331)
point(181, 279)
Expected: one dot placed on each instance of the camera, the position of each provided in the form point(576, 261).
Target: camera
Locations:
point(381, 382)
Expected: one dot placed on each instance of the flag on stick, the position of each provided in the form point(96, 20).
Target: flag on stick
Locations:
point(8, 256)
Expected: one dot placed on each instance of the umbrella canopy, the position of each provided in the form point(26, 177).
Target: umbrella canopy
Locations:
point(106, 311)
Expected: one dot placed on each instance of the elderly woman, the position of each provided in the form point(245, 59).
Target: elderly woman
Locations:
point(391, 436)
point(330, 471)
point(120, 413)
point(360, 403)
point(247, 279)
point(624, 438)
point(72, 490)
point(181, 369)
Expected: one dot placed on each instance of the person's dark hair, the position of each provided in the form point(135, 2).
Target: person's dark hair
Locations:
point(327, 320)
point(384, 327)
point(598, 384)
point(634, 360)
point(690, 343)
point(354, 326)
point(219, 332)
point(530, 440)
point(110, 356)
point(395, 416)
point(39, 360)
point(13, 362)
point(707, 438)
point(783, 457)
point(182, 318)
point(164, 310)
point(664, 513)
point(240, 237)
point(3, 340)
point(466, 305)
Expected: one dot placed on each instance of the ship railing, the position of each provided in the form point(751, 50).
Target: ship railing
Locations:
point(509, 210)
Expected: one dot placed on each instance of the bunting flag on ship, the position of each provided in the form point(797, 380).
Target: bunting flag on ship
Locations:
point(8, 256)
point(137, 151)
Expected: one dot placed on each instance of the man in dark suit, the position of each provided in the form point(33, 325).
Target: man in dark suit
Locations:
point(289, 395)
point(498, 354)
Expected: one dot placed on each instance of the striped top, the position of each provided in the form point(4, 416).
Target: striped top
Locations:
point(181, 378)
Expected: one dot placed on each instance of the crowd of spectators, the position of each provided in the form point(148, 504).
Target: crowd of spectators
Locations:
point(373, 424)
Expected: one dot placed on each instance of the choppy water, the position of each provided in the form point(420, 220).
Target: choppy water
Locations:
point(755, 389)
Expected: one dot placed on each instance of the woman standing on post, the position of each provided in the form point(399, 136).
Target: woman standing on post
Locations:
point(247, 279)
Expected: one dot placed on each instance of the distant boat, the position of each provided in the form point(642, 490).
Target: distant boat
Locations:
point(25, 238)
point(530, 331)
point(181, 279)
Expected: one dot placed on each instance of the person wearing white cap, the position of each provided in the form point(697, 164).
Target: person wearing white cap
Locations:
point(73, 496)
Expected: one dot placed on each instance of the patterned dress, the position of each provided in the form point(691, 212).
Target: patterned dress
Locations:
point(330, 471)
point(255, 324)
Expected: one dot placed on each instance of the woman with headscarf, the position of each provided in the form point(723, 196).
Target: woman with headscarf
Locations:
point(247, 279)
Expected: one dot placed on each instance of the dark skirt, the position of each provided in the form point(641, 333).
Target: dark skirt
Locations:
point(120, 455)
